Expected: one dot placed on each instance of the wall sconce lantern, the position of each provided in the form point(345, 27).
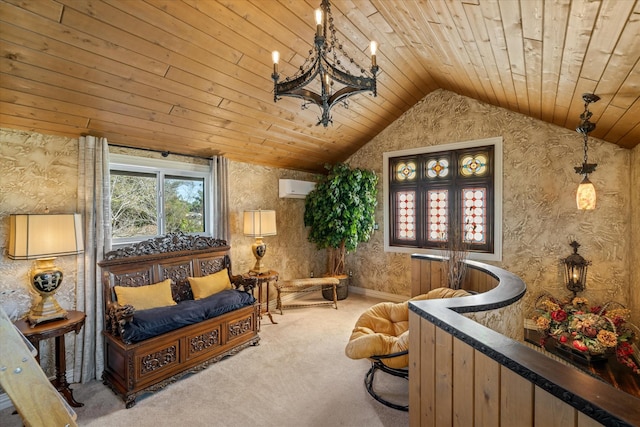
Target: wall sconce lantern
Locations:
point(575, 270)
point(259, 223)
point(586, 194)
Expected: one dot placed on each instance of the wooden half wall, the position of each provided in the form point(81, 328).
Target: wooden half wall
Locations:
point(465, 374)
point(428, 273)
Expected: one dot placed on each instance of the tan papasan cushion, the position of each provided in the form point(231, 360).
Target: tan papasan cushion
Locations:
point(384, 329)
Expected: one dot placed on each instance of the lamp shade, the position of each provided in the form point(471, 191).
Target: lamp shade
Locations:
point(586, 195)
point(259, 223)
point(33, 236)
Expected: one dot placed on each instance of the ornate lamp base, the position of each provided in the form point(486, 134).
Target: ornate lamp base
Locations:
point(47, 309)
point(259, 249)
point(47, 278)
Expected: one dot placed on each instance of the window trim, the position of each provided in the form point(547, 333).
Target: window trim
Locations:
point(497, 199)
point(127, 163)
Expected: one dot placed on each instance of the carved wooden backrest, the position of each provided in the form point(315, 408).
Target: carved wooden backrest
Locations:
point(174, 256)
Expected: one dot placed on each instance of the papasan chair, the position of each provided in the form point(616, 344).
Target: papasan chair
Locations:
point(381, 335)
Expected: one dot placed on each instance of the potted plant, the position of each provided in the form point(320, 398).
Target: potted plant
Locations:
point(340, 212)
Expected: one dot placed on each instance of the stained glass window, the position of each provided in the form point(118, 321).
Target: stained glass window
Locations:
point(475, 215)
point(406, 171)
point(471, 165)
point(405, 214)
point(432, 192)
point(437, 168)
point(438, 215)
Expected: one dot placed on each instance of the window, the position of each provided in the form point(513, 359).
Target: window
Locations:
point(439, 195)
point(153, 197)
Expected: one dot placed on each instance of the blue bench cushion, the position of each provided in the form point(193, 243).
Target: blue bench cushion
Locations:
point(156, 321)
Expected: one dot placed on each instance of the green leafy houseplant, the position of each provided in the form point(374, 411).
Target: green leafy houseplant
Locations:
point(341, 213)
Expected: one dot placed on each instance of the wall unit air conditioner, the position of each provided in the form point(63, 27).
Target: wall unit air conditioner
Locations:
point(294, 189)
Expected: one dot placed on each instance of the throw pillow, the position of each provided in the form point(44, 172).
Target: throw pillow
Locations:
point(145, 297)
point(206, 286)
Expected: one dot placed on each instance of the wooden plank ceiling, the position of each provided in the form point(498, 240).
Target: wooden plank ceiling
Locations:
point(194, 77)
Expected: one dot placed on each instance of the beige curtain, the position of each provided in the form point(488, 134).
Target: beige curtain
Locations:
point(94, 205)
point(220, 197)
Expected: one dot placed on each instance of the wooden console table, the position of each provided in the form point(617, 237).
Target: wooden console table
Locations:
point(55, 329)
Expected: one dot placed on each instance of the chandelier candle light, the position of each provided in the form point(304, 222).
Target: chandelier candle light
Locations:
point(323, 62)
point(586, 194)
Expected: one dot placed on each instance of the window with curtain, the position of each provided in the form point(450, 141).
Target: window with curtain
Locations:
point(151, 197)
point(444, 196)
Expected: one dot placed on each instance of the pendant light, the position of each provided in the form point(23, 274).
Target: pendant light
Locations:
point(586, 194)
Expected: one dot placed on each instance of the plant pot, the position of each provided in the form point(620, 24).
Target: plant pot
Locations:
point(342, 289)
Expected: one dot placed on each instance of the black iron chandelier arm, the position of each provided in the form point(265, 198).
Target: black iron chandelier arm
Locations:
point(290, 85)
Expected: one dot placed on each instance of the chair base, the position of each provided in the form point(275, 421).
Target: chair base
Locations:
point(369, 377)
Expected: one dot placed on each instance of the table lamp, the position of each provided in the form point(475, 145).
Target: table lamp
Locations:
point(44, 237)
point(259, 223)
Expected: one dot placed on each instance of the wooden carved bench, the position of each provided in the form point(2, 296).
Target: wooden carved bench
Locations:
point(134, 368)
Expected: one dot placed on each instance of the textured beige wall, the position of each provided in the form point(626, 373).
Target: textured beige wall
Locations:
point(539, 213)
point(36, 172)
point(634, 246)
point(288, 252)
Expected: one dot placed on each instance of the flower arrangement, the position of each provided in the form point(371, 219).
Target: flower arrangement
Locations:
point(591, 330)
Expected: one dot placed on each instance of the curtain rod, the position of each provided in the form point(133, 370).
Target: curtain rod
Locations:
point(163, 153)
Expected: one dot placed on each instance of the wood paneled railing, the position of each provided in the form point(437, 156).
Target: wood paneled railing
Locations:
point(466, 374)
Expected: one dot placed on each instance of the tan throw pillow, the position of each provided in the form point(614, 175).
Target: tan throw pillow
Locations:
point(206, 286)
point(145, 297)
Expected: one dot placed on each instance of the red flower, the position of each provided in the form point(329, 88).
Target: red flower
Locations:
point(624, 349)
point(596, 309)
point(579, 345)
point(559, 315)
point(618, 321)
point(563, 339)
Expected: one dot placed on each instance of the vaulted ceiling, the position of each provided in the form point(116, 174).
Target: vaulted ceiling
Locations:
point(194, 76)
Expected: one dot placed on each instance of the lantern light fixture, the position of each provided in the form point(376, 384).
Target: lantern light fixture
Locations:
point(324, 79)
point(575, 270)
point(586, 194)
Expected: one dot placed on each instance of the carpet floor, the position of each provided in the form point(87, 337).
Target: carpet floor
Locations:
point(297, 376)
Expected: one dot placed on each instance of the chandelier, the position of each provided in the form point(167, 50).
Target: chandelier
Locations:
point(324, 79)
point(586, 194)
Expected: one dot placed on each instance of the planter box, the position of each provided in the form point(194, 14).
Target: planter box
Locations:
point(342, 290)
